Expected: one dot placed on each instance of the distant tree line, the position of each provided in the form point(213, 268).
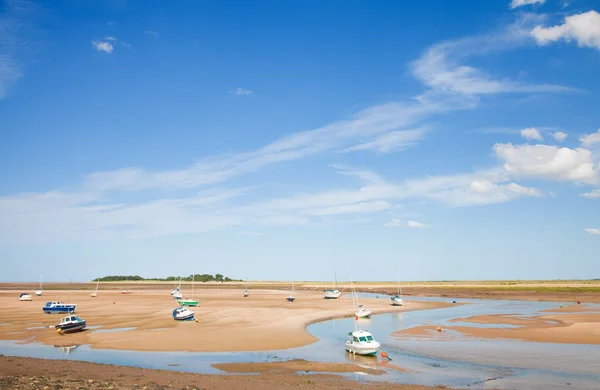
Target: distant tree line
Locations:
point(197, 278)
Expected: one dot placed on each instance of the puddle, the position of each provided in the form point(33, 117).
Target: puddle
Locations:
point(113, 330)
point(93, 327)
point(160, 329)
point(40, 327)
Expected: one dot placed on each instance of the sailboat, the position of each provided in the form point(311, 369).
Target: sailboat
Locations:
point(177, 293)
point(359, 310)
point(126, 291)
point(95, 293)
point(333, 293)
point(188, 301)
point(39, 292)
point(292, 297)
point(397, 299)
point(360, 341)
point(246, 290)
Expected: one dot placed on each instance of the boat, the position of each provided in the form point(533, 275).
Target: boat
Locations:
point(95, 293)
point(39, 292)
point(25, 297)
point(292, 297)
point(189, 301)
point(359, 310)
point(397, 299)
point(183, 314)
point(71, 324)
point(59, 308)
point(333, 293)
point(246, 289)
point(126, 291)
point(361, 342)
point(177, 292)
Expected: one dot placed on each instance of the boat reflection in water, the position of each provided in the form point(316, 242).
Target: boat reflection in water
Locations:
point(67, 349)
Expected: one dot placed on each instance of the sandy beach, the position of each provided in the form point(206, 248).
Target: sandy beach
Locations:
point(226, 320)
point(578, 325)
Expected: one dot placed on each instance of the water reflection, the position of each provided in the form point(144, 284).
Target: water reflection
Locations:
point(66, 349)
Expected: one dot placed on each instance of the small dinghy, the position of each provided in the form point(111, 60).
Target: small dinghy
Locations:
point(126, 291)
point(183, 314)
point(361, 342)
point(25, 297)
point(71, 324)
point(59, 308)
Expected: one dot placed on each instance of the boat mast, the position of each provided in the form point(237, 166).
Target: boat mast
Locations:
point(354, 301)
point(193, 280)
point(41, 277)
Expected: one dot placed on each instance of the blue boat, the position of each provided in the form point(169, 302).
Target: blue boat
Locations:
point(59, 308)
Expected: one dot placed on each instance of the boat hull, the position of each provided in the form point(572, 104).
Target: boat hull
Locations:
point(38, 293)
point(291, 299)
point(363, 313)
point(397, 301)
point(25, 299)
point(332, 294)
point(59, 310)
point(71, 328)
point(362, 349)
point(189, 317)
point(189, 303)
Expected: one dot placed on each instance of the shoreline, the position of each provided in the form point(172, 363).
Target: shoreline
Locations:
point(226, 322)
point(36, 373)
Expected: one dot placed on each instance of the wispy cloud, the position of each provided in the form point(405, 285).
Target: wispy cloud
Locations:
point(103, 46)
point(395, 223)
point(531, 133)
point(152, 33)
point(593, 194)
point(592, 231)
point(391, 142)
point(520, 3)
point(582, 28)
point(241, 92)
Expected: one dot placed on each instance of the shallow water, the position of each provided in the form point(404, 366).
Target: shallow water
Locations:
point(457, 362)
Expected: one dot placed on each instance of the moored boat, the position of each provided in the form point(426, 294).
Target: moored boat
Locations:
point(25, 297)
point(292, 296)
point(361, 342)
point(363, 312)
point(183, 314)
point(71, 324)
point(40, 291)
point(126, 291)
point(333, 293)
point(95, 293)
point(397, 299)
point(59, 308)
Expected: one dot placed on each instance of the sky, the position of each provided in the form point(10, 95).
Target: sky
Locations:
point(270, 140)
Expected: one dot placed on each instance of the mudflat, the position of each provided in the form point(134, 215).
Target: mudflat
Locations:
point(30, 374)
point(578, 325)
point(142, 321)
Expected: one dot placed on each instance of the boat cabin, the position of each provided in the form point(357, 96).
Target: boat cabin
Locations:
point(51, 304)
point(70, 320)
point(361, 336)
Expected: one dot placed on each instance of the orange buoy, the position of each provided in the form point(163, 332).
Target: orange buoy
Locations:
point(579, 302)
point(355, 318)
point(439, 328)
point(114, 303)
point(383, 354)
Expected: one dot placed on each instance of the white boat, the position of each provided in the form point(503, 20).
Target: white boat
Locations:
point(39, 292)
point(177, 292)
point(95, 293)
point(292, 296)
point(359, 310)
point(333, 293)
point(397, 299)
point(189, 301)
point(246, 289)
point(183, 314)
point(361, 342)
point(25, 297)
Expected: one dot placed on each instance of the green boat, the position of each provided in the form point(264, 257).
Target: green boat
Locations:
point(188, 301)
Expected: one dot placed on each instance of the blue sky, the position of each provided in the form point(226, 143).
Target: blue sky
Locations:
point(279, 140)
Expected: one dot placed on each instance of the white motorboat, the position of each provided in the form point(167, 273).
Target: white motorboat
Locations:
point(25, 297)
point(361, 342)
point(183, 314)
point(39, 292)
point(333, 293)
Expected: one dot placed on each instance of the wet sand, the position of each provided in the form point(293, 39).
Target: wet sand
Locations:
point(571, 328)
point(30, 374)
point(226, 320)
point(293, 366)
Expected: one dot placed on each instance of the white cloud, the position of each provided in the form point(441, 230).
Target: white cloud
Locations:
point(442, 68)
point(242, 92)
point(106, 47)
point(531, 133)
point(583, 28)
point(411, 224)
point(590, 139)
point(559, 136)
point(391, 142)
point(151, 33)
point(547, 162)
point(483, 192)
point(519, 3)
point(593, 194)
point(593, 232)
point(354, 208)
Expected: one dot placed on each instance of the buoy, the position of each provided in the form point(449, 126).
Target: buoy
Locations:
point(355, 318)
point(383, 354)
point(114, 303)
point(579, 302)
point(376, 296)
point(59, 331)
point(561, 306)
point(439, 328)
point(453, 301)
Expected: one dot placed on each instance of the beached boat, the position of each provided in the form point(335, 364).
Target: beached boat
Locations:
point(361, 342)
point(25, 297)
point(246, 289)
point(397, 299)
point(126, 291)
point(95, 293)
point(71, 324)
point(59, 308)
point(175, 290)
point(183, 314)
point(333, 293)
point(39, 292)
point(359, 310)
point(292, 296)
point(189, 301)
